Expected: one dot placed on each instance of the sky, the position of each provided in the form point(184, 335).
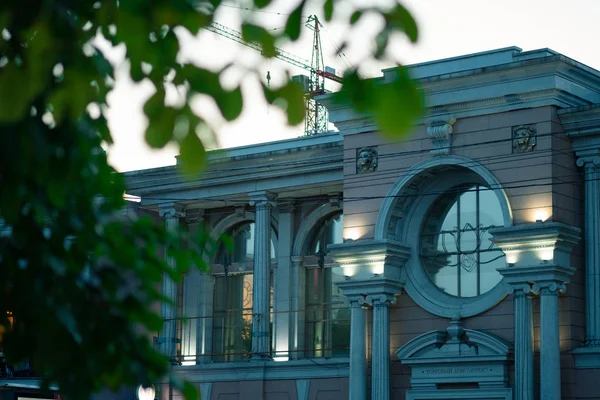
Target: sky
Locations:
point(446, 29)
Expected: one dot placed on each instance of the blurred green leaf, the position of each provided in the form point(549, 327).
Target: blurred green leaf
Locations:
point(192, 154)
point(161, 121)
point(328, 10)
point(400, 18)
point(290, 98)
point(262, 3)
point(294, 22)
point(230, 104)
point(355, 17)
point(257, 34)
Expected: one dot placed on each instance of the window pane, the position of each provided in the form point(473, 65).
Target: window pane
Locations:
point(456, 248)
point(243, 245)
point(232, 323)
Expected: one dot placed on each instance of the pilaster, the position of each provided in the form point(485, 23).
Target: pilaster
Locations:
point(582, 125)
point(298, 291)
point(358, 348)
point(550, 341)
point(373, 269)
point(523, 341)
point(591, 167)
point(262, 201)
point(168, 339)
point(380, 363)
point(193, 297)
point(282, 282)
point(538, 261)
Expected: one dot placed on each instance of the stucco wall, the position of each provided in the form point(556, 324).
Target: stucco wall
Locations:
point(545, 179)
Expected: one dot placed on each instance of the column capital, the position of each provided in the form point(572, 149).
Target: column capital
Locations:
point(355, 300)
point(383, 299)
point(261, 198)
point(550, 288)
point(588, 161)
point(519, 289)
point(171, 210)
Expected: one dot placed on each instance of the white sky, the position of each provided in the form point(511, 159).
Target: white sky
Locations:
point(447, 28)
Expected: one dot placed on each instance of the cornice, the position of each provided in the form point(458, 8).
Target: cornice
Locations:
point(554, 80)
point(173, 182)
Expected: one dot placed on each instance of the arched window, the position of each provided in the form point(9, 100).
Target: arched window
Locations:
point(327, 321)
point(233, 291)
point(456, 248)
point(443, 208)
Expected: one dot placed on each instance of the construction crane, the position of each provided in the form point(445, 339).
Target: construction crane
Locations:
point(316, 120)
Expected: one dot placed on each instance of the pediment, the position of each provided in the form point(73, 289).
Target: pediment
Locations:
point(439, 344)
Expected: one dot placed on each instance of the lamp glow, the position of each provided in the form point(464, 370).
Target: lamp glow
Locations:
point(512, 257)
point(546, 253)
point(540, 215)
point(145, 392)
point(378, 268)
point(352, 234)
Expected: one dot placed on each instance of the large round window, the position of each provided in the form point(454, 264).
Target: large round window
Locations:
point(455, 246)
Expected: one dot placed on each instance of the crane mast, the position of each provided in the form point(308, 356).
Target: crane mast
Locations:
point(316, 119)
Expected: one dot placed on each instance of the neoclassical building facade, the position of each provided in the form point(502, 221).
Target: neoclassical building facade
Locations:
point(461, 261)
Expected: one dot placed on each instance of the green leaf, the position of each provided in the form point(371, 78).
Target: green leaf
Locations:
point(381, 43)
point(160, 127)
point(328, 10)
point(290, 98)
point(395, 106)
point(189, 391)
point(261, 3)
point(398, 104)
point(192, 155)
point(355, 17)
point(257, 34)
point(294, 22)
point(400, 19)
point(230, 104)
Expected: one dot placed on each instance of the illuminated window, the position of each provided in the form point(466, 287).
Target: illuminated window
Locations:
point(327, 321)
point(456, 248)
point(233, 291)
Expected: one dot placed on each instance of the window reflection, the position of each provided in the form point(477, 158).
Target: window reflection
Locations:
point(327, 323)
point(456, 247)
point(233, 291)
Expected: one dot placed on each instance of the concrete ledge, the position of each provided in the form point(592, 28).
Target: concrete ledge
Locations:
point(587, 357)
point(265, 370)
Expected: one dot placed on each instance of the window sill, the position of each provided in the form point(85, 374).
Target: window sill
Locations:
point(587, 357)
point(266, 370)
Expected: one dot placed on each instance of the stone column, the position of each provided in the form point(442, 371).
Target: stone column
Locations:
point(550, 342)
point(298, 291)
point(380, 356)
point(358, 349)
point(592, 248)
point(168, 338)
point(282, 282)
point(261, 277)
point(192, 295)
point(523, 341)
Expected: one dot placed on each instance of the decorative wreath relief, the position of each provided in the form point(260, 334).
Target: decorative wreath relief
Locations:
point(366, 160)
point(524, 138)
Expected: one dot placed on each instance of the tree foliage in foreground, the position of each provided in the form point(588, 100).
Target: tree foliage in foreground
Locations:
point(77, 278)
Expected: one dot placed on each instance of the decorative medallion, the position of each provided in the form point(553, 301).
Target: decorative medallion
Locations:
point(524, 138)
point(366, 160)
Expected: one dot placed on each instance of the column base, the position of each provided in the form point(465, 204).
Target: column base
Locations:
point(587, 357)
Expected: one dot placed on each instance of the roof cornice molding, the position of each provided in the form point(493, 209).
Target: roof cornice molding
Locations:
point(554, 80)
